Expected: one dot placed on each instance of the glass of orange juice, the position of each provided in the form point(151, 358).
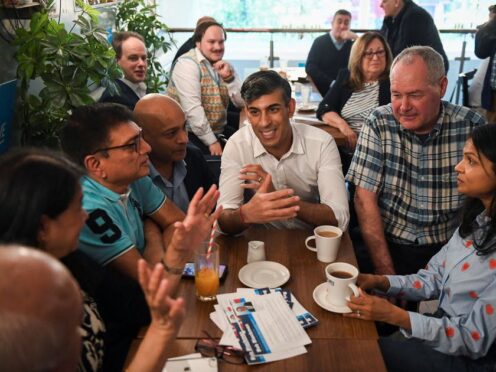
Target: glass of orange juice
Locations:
point(207, 272)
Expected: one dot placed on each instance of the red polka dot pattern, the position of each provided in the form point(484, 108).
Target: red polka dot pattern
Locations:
point(450, 331)
point(492, 263)
point(417, 284)
point(475, 335)
point(489, 309)
point(473, 294)
point(465, 266)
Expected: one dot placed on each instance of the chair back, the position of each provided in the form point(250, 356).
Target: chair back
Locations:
point(463, 80)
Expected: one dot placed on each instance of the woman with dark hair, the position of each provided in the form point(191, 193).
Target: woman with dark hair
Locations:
point(40, 200)
point(358, 90)
point(460, 335)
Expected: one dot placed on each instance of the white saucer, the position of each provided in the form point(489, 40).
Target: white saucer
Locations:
point(319, 296)
point(263, 274)
point(307, 108)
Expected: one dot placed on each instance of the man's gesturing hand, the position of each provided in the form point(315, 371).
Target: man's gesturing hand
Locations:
point(267, 206)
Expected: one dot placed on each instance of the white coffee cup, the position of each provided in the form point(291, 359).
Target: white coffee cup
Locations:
point(327, 241)
point(341, 279)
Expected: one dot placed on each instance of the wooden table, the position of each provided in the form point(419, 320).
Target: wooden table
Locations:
point(311, 119)
point(338, 343)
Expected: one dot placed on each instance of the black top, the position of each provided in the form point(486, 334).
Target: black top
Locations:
point(412, 26)
point(198, 173)
point(186, 47)
point(340, 93)
point(324, 61)
point(120, 302)
point(127, 97)
point(485, 46)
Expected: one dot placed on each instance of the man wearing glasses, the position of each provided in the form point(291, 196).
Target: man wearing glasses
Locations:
point(404, 166)
point(131, 56)
point(118, 195)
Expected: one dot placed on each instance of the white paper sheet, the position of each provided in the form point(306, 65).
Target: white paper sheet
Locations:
point(265, 326)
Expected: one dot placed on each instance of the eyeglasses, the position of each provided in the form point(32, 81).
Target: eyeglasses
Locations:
point(209, 347)
point(380, 54)
point(135, 145)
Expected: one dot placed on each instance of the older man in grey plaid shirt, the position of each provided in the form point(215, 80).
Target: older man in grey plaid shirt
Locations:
point(403, 168)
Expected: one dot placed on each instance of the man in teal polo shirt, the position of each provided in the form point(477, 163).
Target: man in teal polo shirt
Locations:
point(118, 196)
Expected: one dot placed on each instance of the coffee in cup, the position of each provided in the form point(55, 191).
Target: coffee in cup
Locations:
point(328, 234)
point(341, 279)
point(342, 275)
point(327, 240)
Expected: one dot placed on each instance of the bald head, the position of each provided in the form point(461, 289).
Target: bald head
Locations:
point(41, 310)
point(163, 122)
point(156, 106)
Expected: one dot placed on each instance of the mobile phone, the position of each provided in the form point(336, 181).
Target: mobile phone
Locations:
point(189, 271)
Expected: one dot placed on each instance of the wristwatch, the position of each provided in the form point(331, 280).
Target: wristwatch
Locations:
point(172, 270)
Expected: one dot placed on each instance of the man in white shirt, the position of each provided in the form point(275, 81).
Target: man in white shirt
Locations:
point(277, 172)
point(131, 56)
point(203, 83)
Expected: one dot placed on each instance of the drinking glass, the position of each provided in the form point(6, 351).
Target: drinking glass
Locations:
point(207, 272)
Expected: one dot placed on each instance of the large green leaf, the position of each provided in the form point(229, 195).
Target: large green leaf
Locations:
point(67, 63)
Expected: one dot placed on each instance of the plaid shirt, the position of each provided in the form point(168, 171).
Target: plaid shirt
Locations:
point(415, 180)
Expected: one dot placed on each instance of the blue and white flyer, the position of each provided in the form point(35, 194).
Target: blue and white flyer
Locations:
point(305, 318)
point(264, 326)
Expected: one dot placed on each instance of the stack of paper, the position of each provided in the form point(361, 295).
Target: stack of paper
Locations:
point(268, 324)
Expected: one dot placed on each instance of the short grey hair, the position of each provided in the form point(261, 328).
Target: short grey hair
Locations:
point(431, 58)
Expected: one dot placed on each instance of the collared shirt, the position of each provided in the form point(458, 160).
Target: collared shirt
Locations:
point(175, 190)
point(311, 167)
point(186, 77)
point(464, 284)
point(114, 224)
point(139, 89)
point(415, 180)
point(336, 43)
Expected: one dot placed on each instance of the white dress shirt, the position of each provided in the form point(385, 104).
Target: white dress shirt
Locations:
point(186, 77)
point(311, 167)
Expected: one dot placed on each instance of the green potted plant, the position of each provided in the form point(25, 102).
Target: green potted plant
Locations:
point(67, 65)
point(140, 17)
